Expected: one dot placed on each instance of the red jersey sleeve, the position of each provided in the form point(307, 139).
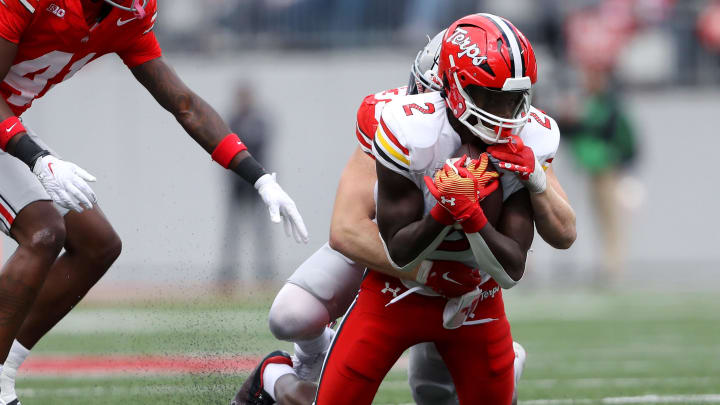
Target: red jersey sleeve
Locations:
point(15, 16)
point(144, 45)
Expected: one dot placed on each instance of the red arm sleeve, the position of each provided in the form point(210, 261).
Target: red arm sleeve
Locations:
point(14, 18)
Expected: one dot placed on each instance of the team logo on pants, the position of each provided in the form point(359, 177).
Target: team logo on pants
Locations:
point(393, 291)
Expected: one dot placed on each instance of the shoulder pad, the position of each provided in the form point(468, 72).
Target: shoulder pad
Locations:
point(368, 115)
point(541, 134)
point(408, 131)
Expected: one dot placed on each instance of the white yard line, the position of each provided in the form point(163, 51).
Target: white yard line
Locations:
point(112, 390)
point(601, 382)
point(643, 399)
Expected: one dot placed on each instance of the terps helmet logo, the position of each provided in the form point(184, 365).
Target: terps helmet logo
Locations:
point(461, 38)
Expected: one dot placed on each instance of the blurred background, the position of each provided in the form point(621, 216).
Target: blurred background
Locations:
point(630, 82)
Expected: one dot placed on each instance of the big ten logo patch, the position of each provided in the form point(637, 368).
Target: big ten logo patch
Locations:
point(55, 9)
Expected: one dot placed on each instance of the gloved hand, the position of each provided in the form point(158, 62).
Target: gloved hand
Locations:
point(448, 278)
point(456, 190)
point(487, 179)
point(65, 182)
point(281, 207)
point(519, 159)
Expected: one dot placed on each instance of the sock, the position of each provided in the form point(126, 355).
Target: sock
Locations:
point(315, 346)
point(16, 357)
point(271, 374)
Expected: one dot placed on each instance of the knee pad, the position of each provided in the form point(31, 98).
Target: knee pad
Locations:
point(297, 315)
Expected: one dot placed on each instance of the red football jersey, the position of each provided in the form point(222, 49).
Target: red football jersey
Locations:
point(54, 42)
point(369, 113)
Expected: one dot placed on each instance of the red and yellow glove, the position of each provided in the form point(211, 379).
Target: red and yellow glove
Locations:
point(487, 179)
point(517, 158)
point(447, 278)
point(456, 190)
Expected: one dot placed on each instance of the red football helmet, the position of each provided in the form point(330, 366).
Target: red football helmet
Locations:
point(487, 67)
point(136, 7)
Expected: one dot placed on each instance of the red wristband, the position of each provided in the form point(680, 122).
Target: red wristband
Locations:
point(8, 129)
point(475, 222)
point(441, 215)
point(227, 149)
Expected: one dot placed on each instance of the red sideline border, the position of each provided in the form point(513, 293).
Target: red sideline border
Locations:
point(136, 364)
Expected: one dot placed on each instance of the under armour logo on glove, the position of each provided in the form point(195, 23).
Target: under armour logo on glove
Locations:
point(450, 201)
point(456, 191)
point(393, 291)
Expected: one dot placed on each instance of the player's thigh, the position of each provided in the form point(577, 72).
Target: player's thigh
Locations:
point(331, 278)
point(480, 359)
point(429, 378)
point(25, 207)
point(363, 351)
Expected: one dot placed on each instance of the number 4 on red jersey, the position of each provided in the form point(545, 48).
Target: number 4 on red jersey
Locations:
point(54, 42)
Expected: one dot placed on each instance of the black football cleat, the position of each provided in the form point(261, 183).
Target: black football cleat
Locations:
point(252, 392)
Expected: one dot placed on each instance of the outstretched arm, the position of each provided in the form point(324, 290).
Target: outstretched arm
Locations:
point(196, 116)
point(206, 127)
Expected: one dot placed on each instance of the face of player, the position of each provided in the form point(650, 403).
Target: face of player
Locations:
point(504, 104)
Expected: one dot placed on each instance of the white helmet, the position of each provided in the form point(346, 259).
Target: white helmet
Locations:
point(136, 7)
point(423, 73)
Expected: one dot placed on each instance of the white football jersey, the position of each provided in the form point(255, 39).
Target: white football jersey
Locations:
point(414, 139)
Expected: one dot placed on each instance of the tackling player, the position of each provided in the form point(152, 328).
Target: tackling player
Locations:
point(317, 287)
point(43, 43)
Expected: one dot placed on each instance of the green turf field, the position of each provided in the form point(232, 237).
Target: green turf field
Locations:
point(582, 348)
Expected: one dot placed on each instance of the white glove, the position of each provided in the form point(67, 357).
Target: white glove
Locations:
point(282, 206)
point(65, 182)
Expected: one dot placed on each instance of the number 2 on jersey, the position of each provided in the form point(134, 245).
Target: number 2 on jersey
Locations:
point(429, 108)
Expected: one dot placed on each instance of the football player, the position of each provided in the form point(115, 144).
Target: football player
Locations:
point(43, 43)
point(487, 68)
point(354, 234)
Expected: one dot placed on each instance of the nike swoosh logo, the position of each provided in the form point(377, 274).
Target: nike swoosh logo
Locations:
point(445, 277)
point(120, 21)
point(50, 167)
point(10, 129)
